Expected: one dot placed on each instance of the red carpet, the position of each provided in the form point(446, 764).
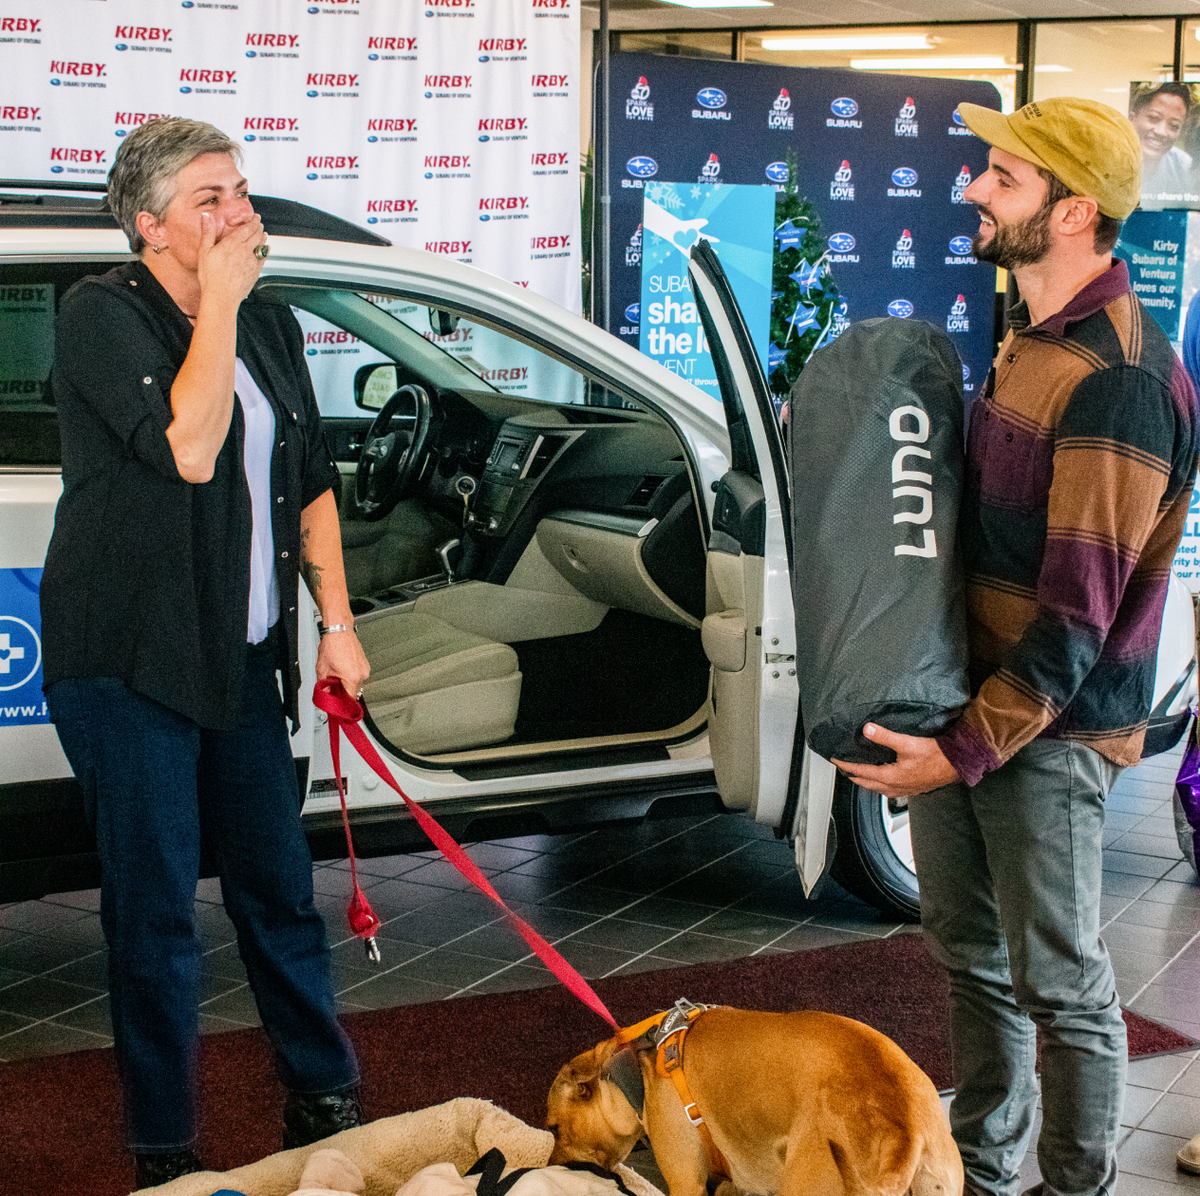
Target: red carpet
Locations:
point(59, 1116)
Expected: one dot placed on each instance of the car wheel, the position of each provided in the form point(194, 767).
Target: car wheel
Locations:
point(874, 858)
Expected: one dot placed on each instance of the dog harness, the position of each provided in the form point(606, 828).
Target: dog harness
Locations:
point(664, 1034)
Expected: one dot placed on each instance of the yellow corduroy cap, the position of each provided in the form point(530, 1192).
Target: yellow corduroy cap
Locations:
point(1091, 147)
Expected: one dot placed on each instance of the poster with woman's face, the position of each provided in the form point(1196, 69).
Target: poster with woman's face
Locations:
point(1165, 117)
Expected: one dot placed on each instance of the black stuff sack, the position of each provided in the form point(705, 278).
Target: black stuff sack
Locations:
point(876, 448)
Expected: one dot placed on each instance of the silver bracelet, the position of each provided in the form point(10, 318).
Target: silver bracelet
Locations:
point(332, 627)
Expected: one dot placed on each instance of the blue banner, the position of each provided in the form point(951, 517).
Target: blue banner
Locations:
point(883, 159)
point(1154, 246)
point(21, 698)
point(738, 223)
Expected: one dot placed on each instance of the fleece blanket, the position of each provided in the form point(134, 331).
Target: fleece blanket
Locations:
point(390, 1151)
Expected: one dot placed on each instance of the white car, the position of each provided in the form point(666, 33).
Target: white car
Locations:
point(570, 566)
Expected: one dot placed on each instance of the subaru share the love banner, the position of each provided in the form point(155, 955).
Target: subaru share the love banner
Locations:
point(736, 221)
point(884, 160)
point(447, 125)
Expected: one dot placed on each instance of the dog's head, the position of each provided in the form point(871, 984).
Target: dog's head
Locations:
point(590, 1118)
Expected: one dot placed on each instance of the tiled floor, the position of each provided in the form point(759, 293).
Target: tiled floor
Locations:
point(624, 900)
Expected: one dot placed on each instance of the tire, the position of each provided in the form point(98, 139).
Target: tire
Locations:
point(874, 854)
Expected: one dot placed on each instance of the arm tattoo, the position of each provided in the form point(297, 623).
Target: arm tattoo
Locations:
point(312, 575)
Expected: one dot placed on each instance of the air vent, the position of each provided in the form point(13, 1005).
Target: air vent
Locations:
point(645, 491)
point(547, 447)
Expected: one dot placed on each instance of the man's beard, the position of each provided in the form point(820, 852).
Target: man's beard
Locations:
point(1022, 244)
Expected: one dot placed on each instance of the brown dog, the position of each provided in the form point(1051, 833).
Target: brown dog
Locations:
point(799, 1104)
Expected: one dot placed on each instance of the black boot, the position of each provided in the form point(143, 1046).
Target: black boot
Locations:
point(308, 1119)
point(155, 1169)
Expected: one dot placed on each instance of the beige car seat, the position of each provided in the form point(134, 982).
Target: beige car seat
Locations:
point(434, 688)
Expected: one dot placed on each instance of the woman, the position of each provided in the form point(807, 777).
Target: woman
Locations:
point(1158, 117)
point(196, 487)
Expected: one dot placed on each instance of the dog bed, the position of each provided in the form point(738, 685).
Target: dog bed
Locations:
point(390, 1151)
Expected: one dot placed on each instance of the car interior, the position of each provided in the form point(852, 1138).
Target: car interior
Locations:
point(523, 546)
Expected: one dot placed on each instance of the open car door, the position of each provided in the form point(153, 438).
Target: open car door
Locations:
point(749, 628)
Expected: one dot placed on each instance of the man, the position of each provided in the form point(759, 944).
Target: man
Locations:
point(1080, 463)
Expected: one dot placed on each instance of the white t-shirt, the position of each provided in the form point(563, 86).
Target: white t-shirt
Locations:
point(256, 456)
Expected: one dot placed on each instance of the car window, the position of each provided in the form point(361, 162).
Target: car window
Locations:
point(30, 293)
point(345, 330)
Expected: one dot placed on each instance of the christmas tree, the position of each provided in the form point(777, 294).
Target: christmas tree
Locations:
point(807, 310)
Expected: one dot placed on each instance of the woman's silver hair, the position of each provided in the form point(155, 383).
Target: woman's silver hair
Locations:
point(143, 173)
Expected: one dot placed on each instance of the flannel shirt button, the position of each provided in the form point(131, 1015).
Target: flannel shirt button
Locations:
point(1011, 358)
point(1008, 436)
point(284, 555)
point(147, 380)
point(280, 498)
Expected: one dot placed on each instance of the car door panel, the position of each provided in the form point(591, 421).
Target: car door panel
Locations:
point(731, 635)
point(755, 708)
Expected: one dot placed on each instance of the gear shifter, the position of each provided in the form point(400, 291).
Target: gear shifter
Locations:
point(449, 554)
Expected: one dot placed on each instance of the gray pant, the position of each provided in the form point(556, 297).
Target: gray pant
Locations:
point(1010, 905)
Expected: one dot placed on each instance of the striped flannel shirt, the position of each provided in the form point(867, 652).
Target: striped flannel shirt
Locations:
point(1080, 462)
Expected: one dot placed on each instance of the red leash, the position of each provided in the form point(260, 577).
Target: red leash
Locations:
point(344, 714)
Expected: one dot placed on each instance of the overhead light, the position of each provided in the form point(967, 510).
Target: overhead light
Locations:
point(721, 3)
point(931, 64)
point(1052, 68)
point(905, 41)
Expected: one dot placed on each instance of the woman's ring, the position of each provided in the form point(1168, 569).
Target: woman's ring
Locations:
point(261, 251)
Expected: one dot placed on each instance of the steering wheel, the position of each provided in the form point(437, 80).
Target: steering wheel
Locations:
point(390, 467)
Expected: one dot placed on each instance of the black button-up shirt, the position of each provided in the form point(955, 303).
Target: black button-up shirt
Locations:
point(148, 576)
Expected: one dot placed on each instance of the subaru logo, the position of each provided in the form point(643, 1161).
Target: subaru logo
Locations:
point(485, 217)
point(841, 242)
point(120, 132)
point(901, 308)
point(484, 137)
point(310, 177)
point(642, 167)
point(429, 174)
point(483, 58)
point(966, 371)
point(121, 46)
point(56, 170)
point(372, 219)
point(904, 176)
point(429, 95)
point(777, 172)
point(183, 90)
point(251, 54)
point(249, 137)
point(55, 82)
point(711, 97)
point(372, 138)
point(310, 352)
point(310, 94)
point(844, 106)
point(187, 4)
point(633, 313)
point(372, 57)
point(958, 120)
point(961, 246)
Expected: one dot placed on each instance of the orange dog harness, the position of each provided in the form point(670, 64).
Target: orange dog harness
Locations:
point(664, 1034)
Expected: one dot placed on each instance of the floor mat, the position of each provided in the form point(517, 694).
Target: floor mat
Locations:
point(631, 674)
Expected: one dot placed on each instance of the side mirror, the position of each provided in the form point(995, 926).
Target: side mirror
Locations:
point(443, 323)
point(374, 384)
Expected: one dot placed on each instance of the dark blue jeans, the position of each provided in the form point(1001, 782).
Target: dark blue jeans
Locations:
point(156, 785)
